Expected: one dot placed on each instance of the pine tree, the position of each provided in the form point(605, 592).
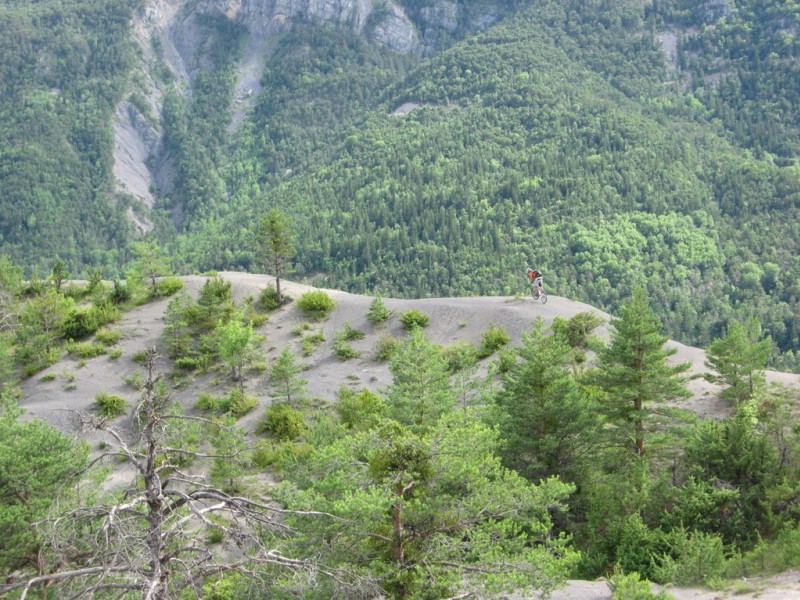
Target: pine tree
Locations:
point(634, 370)
point(420, 391)
point(739, 360)
point(549, 421)
point(275, 242)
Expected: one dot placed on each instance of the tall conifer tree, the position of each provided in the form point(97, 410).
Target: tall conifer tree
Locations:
point(634, 369)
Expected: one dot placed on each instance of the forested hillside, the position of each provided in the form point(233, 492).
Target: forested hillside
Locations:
point(568, 135)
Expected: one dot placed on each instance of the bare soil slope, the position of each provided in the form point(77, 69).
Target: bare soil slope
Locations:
point(74, 387)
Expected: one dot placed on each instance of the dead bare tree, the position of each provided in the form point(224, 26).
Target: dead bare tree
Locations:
point(150, 539)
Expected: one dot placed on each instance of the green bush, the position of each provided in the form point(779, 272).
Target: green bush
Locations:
point(351, 333)
point(169, 285)
point(316, 303)
point(631, 587)
point(699, 559)
point(344, 351)
point(385, 346)
point(86, 349)
point(378, 312)
point(80, 323)
point(110, 405)
point(215, 291)
point(493, 339)
point(207, 402)
point(239, 403)
point(311, 341)
point(359, 410)
point(460, 355)
point(283, 421)
point(109, 337)
point(414, 318)
point(269, 297)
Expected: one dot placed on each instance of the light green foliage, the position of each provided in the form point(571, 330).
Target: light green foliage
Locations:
point(359, 410)
point(239, 404)
point(385, 346)
point(283, 421)
point(577, 330)
point(167, 286)
point(699, 560)
point(311, 341)
point(108, 337)
point(634, 371)
point(228, 469)
point(460, 355)
point(414, 319)
point(407, 502)
point(739, 360)
point(316, 304)
point(378, 312)
point(150, 264)
point(59, 274)
point(86, 349)
point(344, 351)
point(110, 405)
point(629, 586)
point(38, 463)
point(284, 378)
point(420, 391)
point(237, 347)
point(492, 340)
point(341, 348)
point(39, 330)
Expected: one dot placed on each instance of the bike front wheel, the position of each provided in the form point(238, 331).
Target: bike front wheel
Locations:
point(543, 297)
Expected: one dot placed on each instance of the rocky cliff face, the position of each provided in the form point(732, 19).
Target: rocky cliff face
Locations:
point(141, 167)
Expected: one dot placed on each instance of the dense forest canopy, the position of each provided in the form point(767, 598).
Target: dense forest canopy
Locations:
point(564, 135)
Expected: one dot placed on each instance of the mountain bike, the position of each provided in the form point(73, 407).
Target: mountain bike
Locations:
point(538, 293)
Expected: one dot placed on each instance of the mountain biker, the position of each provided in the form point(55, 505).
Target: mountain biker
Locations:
point(536, 278)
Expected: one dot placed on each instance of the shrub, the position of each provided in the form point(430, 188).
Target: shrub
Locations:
point(378, 312)
point(351, 333)
point(493, 339)
point(187, 362)
point(86, 349)
point(385, 346)
point(316, 303)
point(215, 291)
point(48, 377)
point(169, 285)
point(283, 421)
point(109, 337)
point(110, 405)
point(460, 355)
point(631, 587)
point(268, 297)
point(121, 293)
point(344, 351)
point(414, 318)
point(140, 357)
point(80, 323)
point(239, 403)
point(207, 402)
point(359, 410)
point(115, 353)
